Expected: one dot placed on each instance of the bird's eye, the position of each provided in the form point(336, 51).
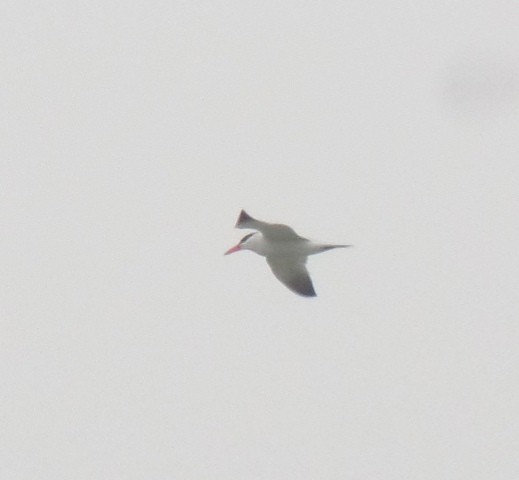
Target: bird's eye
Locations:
point(246, 237)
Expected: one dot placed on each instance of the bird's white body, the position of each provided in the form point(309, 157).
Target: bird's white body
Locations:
point(286, 252)
point(293, 247)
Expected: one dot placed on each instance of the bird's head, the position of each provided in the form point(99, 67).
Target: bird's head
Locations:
point(248, 242)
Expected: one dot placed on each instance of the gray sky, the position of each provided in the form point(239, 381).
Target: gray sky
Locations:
point(132, 135)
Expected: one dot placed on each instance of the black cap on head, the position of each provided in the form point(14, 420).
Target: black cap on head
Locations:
point(246, 237)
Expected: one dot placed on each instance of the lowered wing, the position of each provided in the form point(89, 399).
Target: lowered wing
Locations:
point(292, 272)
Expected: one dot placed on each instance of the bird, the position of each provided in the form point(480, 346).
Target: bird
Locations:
point(286, 252)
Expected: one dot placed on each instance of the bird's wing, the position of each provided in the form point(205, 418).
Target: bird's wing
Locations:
point(292, 272)
point(271, 231)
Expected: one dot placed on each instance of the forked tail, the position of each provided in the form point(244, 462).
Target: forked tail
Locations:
point(331, 247)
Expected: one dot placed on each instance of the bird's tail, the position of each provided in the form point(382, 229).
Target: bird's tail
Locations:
point(331, 247)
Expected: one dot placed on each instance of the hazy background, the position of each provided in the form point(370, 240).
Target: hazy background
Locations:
point(132, 135)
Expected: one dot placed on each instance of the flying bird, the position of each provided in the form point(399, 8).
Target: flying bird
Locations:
point(285, 251)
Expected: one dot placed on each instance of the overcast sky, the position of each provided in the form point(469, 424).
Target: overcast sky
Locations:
point(132, 135)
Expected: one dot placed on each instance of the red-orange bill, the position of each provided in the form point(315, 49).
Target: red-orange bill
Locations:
point(236, 248)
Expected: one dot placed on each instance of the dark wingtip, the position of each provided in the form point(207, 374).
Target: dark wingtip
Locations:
point(308, 294)
point(244, 217)
point(305, 290)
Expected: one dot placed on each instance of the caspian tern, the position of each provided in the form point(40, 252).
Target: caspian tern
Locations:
point(286, 252)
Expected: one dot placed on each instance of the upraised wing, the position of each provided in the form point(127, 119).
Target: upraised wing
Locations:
point(271, 231)
point(292, 272)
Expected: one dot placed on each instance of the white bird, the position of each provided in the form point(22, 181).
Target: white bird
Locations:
point(286, 252)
